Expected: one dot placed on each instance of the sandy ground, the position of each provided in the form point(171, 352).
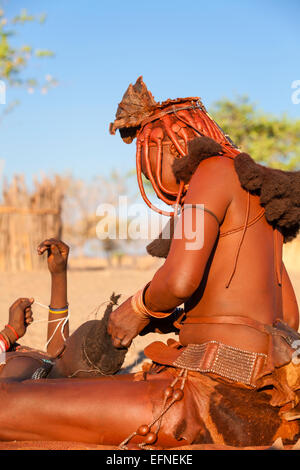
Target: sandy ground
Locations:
point(90, 285)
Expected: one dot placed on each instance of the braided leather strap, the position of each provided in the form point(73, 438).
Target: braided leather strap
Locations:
point(139, 307)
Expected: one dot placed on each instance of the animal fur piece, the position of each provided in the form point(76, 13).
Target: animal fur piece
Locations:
point(199, 149)
point(160, 247)
point(136, 105)
point(279, 193)
point(98, 349)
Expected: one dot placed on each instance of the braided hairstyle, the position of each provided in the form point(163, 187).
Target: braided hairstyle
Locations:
point(173, 123)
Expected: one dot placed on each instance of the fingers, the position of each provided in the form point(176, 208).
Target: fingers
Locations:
point(119, 338)
point(23, 302)
point(121, 343)
point(54, 245)
point(44, 246)
point(55, 250)
point(28, 316)
point(63, 247)
point(59, 246)
point(126, 342)
point(116, 342)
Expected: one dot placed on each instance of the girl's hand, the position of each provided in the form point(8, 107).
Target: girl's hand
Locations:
point(20, 315)
point(58, 253)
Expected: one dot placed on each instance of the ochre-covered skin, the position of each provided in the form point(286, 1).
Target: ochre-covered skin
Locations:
point(236, 272)
point(254, 284)
point(106, 411)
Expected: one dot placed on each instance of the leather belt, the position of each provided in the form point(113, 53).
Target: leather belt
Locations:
point(227, 319)
point(225, 361)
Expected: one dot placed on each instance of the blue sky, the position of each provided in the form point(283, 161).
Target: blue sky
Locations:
point(182, 48)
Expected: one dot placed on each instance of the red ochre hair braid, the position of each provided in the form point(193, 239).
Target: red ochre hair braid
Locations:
point(179, 121)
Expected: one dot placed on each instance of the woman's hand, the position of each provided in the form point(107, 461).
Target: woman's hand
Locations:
point(20, 316)
point(58, 253)
point(124, 325)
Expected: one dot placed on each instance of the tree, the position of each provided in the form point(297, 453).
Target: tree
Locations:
point(270, 140)
point(15, 59)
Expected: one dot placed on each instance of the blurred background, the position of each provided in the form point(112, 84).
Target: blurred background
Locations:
point(64, 67)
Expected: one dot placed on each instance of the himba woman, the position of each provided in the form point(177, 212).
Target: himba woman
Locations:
point(233, 376)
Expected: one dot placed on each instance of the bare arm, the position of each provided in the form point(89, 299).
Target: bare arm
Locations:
point(57, 252)
point(20, 316)
point(183, 270)
point(289, 301)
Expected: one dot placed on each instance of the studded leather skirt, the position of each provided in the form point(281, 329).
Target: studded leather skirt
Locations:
point(211, 397)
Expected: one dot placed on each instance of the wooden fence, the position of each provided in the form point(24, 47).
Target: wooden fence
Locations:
point(27, 218)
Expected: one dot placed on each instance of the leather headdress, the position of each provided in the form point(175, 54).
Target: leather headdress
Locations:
point(172, 122)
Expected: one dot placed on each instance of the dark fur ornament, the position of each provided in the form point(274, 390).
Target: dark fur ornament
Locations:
point(160, 247)
point(279, 193)
point(199, 149)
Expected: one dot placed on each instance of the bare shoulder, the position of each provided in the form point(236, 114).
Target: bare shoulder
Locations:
point(215, 177)
point(215, 168)
point(214, 185)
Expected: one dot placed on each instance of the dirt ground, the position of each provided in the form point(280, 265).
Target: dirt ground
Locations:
point(90, 286)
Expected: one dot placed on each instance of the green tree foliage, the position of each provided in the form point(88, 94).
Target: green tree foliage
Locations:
point(14, 60)
point(270, 140)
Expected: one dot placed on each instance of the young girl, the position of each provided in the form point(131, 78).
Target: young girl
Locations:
point(86, 353)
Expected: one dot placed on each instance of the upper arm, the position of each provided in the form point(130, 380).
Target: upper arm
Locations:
point(289, 301)
point(211, 185)
point(197, 230)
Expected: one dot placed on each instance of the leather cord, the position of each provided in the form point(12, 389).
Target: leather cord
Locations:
point(240, 242)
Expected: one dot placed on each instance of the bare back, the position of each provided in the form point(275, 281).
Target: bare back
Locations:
point(253, 289)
